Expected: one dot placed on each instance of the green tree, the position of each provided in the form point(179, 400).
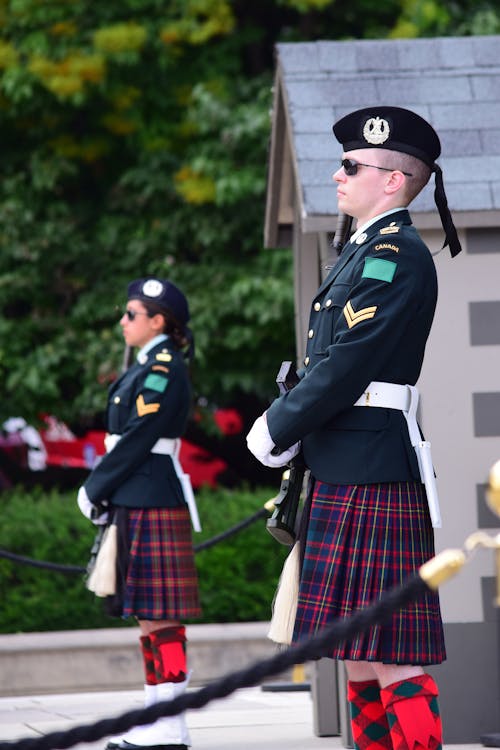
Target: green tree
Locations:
point(434, 18)
point(134, 141)
point(132, 145)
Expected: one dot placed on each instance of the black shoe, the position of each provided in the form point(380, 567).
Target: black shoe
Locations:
point(124, 745)
point(490, 740)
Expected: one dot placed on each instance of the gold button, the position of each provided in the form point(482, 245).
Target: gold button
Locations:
point(311, 333)
point(317, 306)
point(328, 303)
point(116, 399)
point(306, 361)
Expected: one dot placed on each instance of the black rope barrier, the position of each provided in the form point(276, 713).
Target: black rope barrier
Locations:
point(261, 513)
point(314, 648)
point(22, 560)
point(60, 568)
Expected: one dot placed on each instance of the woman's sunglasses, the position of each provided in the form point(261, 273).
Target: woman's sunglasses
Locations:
point(351, 167)
point(131, 314)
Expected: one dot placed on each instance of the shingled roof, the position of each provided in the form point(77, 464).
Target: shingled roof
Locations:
point(453, 82)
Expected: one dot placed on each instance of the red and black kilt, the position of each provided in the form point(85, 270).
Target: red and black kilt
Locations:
point(361, 541)
point(156, 559)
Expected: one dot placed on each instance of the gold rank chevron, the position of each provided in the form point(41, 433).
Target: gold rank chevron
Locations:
point(352, 317)
point(143, 408)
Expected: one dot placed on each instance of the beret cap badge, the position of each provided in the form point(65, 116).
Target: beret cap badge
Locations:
point(152, 288)
point(162, 293)
point(376, 130)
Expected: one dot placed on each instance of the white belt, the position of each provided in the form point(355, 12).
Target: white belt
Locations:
point(386, 395)
point(405, 399)
point(164, 446)
point(169, 447)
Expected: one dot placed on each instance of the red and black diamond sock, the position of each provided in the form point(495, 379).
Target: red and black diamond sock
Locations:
point(148, 660)
point(370, 729)
point(169, 653)
point(413, 713)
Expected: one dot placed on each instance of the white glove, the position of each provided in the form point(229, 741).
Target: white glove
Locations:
point(89, 509)
point(259, 440)
point(260, 443)
point(282, 458)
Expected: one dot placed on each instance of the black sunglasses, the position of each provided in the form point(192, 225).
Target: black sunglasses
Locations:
point(131, 314)
point(351, 167)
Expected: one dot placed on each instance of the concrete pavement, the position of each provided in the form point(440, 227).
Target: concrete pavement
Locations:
point(56, 681)
point(109, 659)
point(250, 719)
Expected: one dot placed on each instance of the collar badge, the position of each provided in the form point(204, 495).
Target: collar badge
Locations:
point(376, 130)
point(164, 356)
point(391, 229)
point(362, 238)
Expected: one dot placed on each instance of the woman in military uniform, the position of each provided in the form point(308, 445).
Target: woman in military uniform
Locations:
point(368, 523)
point(138, 485)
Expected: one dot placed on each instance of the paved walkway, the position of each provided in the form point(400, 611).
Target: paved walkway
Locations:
point(250, 719)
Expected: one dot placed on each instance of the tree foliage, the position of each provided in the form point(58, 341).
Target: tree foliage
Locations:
point(134, 141)
point(132, 145)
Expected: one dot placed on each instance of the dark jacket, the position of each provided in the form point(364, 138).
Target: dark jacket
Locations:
point(370, 320)
point(149, 401)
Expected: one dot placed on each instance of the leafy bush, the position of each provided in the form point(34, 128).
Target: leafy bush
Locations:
point(237, 576)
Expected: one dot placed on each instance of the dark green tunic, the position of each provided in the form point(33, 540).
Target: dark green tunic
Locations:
point(149, 401)
point(369, 320)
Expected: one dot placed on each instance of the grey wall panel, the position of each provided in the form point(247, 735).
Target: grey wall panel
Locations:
point(484, 319)
point(468, 682)
point(454, 370)
point(486, 519)
point(489, 594)
point(486, 414)
point(483, 240)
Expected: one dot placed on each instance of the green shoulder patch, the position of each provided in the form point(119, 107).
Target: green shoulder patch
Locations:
point(156, 382)
point(380, 269)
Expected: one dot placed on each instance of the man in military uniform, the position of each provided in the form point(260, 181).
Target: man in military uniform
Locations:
point(368, 521)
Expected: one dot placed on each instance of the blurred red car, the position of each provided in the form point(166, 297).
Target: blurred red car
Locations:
point(55, 446)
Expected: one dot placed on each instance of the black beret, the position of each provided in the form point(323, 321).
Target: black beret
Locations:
point(163, 294)
point(392, 128)
point(402, 130)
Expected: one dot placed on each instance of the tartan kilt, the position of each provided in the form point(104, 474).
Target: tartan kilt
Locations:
point(156, 568)
point(362, 540)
